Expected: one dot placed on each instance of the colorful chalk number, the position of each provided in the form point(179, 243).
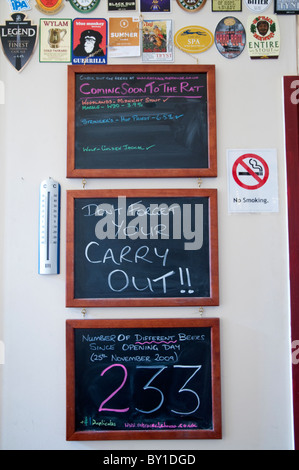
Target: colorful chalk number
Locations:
point(148, 386)
point(143, 379)
point(115, 392)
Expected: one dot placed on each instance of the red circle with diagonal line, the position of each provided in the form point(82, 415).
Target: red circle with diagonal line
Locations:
point(253, 169)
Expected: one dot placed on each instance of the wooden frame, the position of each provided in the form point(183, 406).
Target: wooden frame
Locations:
point(124, 160)
point(206, 257)
point(291, 112)
point(101, 431)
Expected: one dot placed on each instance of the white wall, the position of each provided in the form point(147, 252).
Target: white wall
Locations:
point(253, 252)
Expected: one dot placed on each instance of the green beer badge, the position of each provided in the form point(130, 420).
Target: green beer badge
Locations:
point(84, 5)
point(191, 5)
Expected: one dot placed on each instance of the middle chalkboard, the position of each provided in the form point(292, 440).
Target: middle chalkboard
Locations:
point(142, 247)
point(141, 121)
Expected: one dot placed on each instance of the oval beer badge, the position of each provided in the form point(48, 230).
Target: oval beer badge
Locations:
point(193, 39)
point(191, 5)
point(49, 6)
point(263, 37)
point(84, 5)
point(230, 37)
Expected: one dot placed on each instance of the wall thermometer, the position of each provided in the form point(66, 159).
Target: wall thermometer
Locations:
point(49, 227)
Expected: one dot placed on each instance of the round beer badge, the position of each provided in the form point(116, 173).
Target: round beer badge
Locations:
point(191, 5)
point(49, 6)
point(230, 37)
point(257, 5)
point(84, 5)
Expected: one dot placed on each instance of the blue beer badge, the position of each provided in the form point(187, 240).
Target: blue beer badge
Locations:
point(230, 37)
point(18, 39)
point(19, 5)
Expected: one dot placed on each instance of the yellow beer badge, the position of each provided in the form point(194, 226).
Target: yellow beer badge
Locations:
point(193, 39)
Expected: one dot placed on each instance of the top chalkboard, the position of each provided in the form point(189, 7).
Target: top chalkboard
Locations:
point(141, 121)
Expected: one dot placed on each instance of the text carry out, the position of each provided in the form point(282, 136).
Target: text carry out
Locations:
point(252, 180)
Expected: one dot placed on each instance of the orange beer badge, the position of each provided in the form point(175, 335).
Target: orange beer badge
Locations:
point(124, 37)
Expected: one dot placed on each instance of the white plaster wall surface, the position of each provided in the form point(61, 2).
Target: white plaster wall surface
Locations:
point(253, 252)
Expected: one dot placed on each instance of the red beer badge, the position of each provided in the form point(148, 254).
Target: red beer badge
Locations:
point(89, 41)
point(49, 6)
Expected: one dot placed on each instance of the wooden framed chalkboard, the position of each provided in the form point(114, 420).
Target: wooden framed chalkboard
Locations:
point(141, 121)
point(142, 248)
point(143, 379)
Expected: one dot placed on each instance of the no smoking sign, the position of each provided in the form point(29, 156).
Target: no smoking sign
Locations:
point(250, 171)
point(252, 180)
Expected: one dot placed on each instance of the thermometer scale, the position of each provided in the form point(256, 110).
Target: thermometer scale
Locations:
point(49, 227)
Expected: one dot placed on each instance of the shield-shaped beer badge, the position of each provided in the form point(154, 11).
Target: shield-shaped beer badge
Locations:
point(18, 40)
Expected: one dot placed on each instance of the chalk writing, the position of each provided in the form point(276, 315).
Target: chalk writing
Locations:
point(114, 223)
point(153, 375)
point(101, 408)
point(142, 247)
point(154, 120)
point(183, 89)
point(144, 378)
point(139, 221)
point(133, 118)
point(119, 148)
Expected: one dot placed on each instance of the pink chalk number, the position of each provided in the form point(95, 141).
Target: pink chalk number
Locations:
point(115, 391)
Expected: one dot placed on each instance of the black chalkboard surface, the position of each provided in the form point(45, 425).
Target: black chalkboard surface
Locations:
point(141, 121)
point(143, 379)
point(142, 247)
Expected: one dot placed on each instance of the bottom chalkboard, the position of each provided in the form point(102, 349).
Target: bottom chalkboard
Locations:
point(143, 379)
